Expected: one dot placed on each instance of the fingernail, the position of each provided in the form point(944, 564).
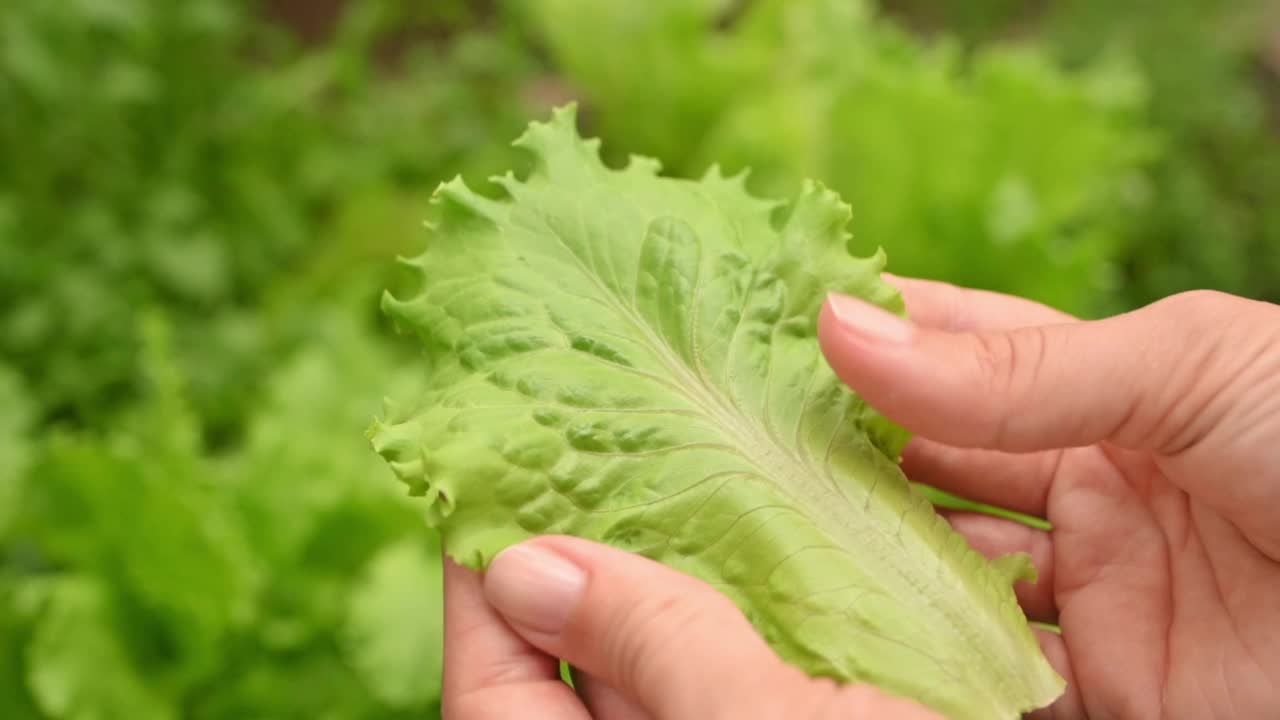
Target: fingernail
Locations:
point(534, 587)
point(869, 321)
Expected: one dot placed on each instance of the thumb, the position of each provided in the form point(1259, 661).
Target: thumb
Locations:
point(663, 639)
point(1156, 379)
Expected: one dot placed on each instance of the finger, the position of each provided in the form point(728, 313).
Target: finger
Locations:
point(995, 537)
point(662, 646)
point(604, 702)
point(1136, 380)
point(955, 309)
point(488, 668)
point(661, 638)
point(1016, 481)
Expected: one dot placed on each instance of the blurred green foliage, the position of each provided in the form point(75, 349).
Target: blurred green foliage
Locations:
point(997, 170)
point(1213, 77)
point(155, 581)
point(190, 156)
point(197, 213)
point(199, 203)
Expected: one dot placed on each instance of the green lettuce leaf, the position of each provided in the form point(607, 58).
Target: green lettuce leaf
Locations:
point(632, 359)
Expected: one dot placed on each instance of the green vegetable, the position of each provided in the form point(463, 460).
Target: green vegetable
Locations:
point(966, 164)
point(632, 359)
point(143, 578)
point(192, 160)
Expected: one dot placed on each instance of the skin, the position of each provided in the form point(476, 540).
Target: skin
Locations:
point(1151, 442)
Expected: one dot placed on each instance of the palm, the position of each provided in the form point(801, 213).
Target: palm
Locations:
point(1166, 609)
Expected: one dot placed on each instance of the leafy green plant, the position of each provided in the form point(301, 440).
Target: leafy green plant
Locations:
point(188, 157)
point(633, 359)
point(1215, 223)
point(1210, 222)
point(138, 171)
point(998, 170)
point(145, 578)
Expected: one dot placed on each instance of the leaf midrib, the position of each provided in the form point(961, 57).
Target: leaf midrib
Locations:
point(730, 418)
point(725, 413)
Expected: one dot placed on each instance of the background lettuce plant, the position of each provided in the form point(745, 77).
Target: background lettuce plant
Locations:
point(965, 166)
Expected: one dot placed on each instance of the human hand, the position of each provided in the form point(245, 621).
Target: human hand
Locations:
point(1151, 442)
point(646, 642)
point(1148, 440)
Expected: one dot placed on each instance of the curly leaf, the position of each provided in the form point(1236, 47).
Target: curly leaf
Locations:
point(632, 359)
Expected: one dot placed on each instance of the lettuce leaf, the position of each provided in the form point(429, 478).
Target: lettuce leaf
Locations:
point(632, 359)
point(965, 161)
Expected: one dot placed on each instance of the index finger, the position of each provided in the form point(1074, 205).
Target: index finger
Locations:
point(944, 306)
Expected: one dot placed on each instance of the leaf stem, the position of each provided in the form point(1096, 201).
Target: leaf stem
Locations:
point(948, 501)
